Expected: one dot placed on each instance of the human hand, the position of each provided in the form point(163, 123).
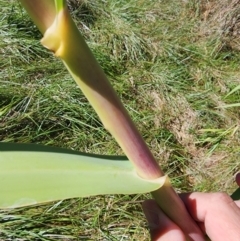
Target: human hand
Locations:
point(217, 215)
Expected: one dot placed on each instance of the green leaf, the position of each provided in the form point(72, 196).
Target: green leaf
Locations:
point(31, 174)
point(230, 105)
point(233, 91)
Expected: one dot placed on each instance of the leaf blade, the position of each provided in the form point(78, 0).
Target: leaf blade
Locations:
point(29, 177)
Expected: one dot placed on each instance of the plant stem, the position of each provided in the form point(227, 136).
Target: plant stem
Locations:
point(64, 39)
point(174, 208)
point(42, 12)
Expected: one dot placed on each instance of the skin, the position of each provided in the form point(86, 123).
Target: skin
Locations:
point(217, 215)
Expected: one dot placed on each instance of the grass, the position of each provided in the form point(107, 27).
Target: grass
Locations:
point(179, 83)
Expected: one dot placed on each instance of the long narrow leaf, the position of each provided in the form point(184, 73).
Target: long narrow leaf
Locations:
point(32, 174)
point(229, 105)
point(232, 91)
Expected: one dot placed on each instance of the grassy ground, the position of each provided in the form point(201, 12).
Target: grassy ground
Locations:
point(179, 81)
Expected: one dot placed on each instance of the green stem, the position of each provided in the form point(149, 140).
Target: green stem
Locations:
point(60, 5)
point(64, 39)
point(173, 207)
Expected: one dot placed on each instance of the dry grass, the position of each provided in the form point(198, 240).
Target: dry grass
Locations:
point(222, 19)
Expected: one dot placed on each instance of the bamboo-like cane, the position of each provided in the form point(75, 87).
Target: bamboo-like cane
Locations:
point(64, 40)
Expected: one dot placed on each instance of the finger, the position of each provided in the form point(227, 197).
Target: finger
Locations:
point(202, 204)
point(161, 227)
point(201, 224)
point(238, 179)
point(219, 213)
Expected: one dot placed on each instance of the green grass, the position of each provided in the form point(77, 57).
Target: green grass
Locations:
point(179, 83)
